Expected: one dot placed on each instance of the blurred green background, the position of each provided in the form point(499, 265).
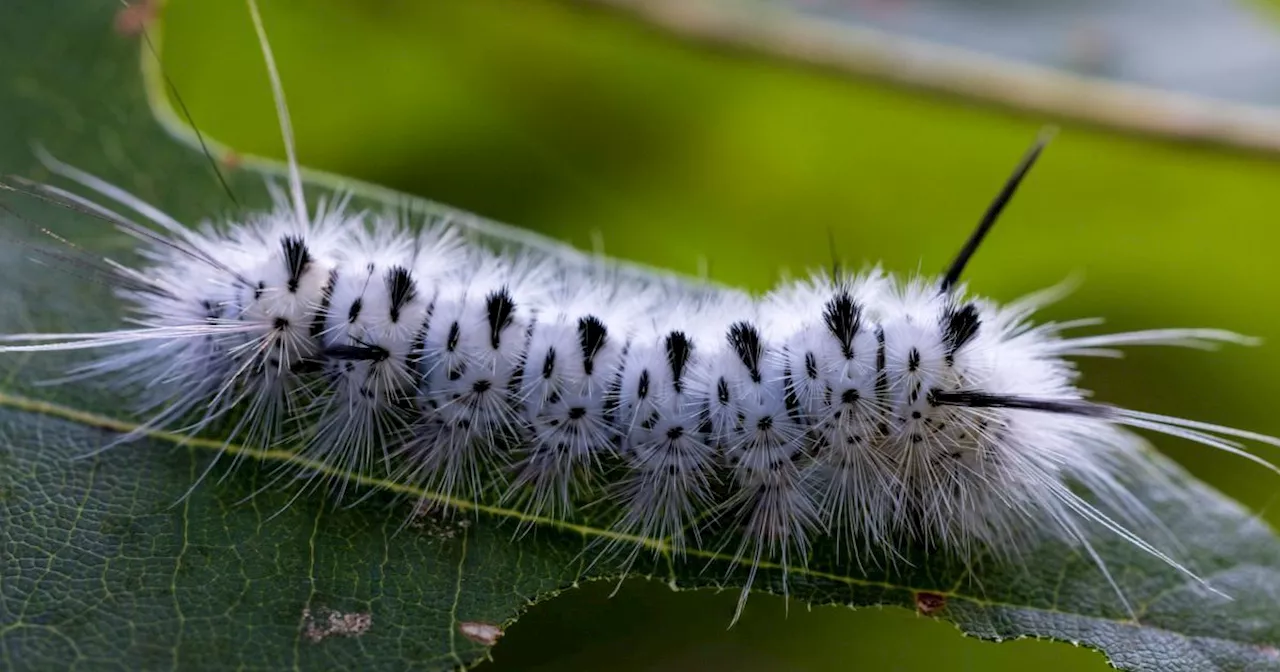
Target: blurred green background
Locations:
point(570, 120)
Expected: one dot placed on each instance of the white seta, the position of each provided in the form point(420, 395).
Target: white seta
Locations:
point(876, 410)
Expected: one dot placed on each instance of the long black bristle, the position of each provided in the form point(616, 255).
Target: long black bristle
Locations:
point(366, 353)
point(975, 399)
point(993, 211)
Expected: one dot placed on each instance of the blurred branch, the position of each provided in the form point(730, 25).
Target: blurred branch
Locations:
point(935, 67)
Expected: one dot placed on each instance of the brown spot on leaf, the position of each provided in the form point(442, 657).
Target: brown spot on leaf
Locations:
point(136, 17)
point(325, 623)
point(929, 604)
point(232, 161)
point(487, 634)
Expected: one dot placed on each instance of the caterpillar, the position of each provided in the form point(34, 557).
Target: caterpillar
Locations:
point(881, 411)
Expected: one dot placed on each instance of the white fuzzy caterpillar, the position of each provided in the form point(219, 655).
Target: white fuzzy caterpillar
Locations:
point(878, 410)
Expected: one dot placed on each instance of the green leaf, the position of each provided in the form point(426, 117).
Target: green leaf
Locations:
point(105, 564)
